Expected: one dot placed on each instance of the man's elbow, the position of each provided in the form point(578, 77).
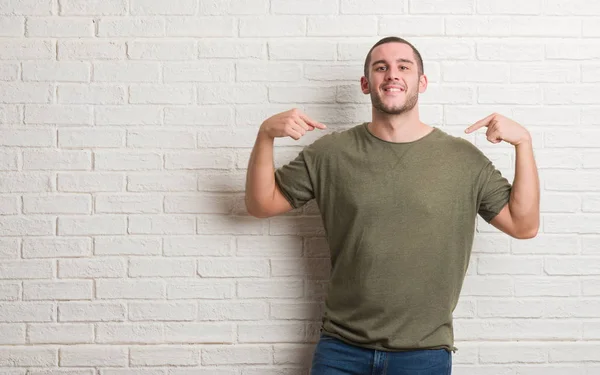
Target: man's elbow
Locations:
point(527, 233)
point(254, 209)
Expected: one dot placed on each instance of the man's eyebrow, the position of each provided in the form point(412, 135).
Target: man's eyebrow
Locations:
point(399, 60)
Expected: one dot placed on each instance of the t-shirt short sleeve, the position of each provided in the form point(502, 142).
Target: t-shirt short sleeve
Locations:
point(294, 181)
point(495, 193)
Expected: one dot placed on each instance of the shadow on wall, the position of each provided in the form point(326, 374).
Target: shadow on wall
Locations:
point(296, 251)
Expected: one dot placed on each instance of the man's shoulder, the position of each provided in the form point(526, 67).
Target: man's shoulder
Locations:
point(335, 139)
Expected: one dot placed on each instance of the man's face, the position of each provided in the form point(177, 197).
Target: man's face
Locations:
point(393, 79)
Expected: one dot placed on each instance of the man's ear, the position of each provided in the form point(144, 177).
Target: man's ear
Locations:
point(422, 83)
point(364, 85)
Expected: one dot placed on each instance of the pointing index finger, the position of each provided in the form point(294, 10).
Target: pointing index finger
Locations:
point(480, 123)
point(312, 122)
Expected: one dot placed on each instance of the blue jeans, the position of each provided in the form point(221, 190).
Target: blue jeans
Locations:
point(335, 357)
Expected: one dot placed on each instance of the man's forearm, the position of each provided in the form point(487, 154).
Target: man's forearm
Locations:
point(524, 201)
point(260, 178)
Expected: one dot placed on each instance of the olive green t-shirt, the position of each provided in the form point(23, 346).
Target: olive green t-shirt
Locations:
point(399, 220)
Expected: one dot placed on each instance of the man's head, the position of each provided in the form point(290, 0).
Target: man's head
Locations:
point(394, 75)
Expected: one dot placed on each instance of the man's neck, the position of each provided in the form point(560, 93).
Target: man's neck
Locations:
point(406, 127)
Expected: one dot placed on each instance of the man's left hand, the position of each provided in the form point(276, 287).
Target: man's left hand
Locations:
point(501, 128)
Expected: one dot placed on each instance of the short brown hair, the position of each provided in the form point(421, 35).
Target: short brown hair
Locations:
point(394, 39)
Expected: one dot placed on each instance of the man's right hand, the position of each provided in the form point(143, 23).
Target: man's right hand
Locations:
point(293, 123)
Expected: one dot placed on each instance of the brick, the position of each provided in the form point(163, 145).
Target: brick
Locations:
point(487, 286)
point(536, 26)
point(590, 73)
point(198, 72)
point(238, 225)
point(56, 247)
point(269, 246)
point(590, 28)
point(90, 50)
point(162, 311)
point(199, 333)
point(513, 51)
point(577, 94)
point(9, 205)
point(270, 289)
point(198, 246)
point(130, 71)
point(560, 202)
point(591, 203)
point(27, 49)
point(25, 93)
point(214, 26)
point(199, 160)
point(164, 356)
point(571, 7)
point(406, 25)
point(27, 138)
point(92, 225)
point(232, 49)
point(66, 71)
point(232, 267)
point(23, 356)
point(572, 181)
point(268, 333)
point(26, 226)
point(296, 311)
point(57, 290)
point(128, 115)
point(272, 26)
point(26, 7)
point(240, 354)
point(573, 138)
point(12, 334)
point(546, 115)
point(10, 114)
point(60, 333)
point(198, 203)
point(232, 310)
point(234, 7)
point(509, 7)
point(503, 353)
point(136, 333)
point(93, 355)
point(558, 159)
point(59, 27)
point(546, 244)
point(26, 269)
point(57, 160)
point(93, 8)
point(222, 181)
point(198, 115)
point(90, 312)
point(16, 312)
point(305, 7)
point(199, 289)
point(231, 94)
point(296, 50)
point(130, 203)
point(130, 289)
point(90, 138)
point(58, 114)
point(91, 94)
point(57, 204)
point(131, 27)
point(126, 160)
point(12, 26)
point(572, 50)
point(566, 266)
point(502, 308)
point(154, 7)
point(385, 7)
point(171, 224)
point(164, 94)
point(91, 268)
point(161, 267)
point(90, 182)
point(341, 26)
point(272, 72)
point(302, 94)
point(514, 94)
point(127, 246)
point(475, 72)
point(167, 50)
point(573, 352)
point(162, 181)
point(24, 182)
point(439, 6)
point(546, 287)
point(477, 26)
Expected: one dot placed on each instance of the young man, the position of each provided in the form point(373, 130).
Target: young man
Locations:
point(399, 201)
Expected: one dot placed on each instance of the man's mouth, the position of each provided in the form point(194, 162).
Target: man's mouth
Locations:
point(393, 89)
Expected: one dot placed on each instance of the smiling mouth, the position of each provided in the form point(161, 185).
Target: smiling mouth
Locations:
point(393, 89)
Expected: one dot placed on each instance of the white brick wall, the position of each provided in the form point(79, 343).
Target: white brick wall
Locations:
point(125, 131)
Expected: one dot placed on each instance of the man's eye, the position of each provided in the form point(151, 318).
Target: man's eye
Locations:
point(380, 68)
point(404, 67)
